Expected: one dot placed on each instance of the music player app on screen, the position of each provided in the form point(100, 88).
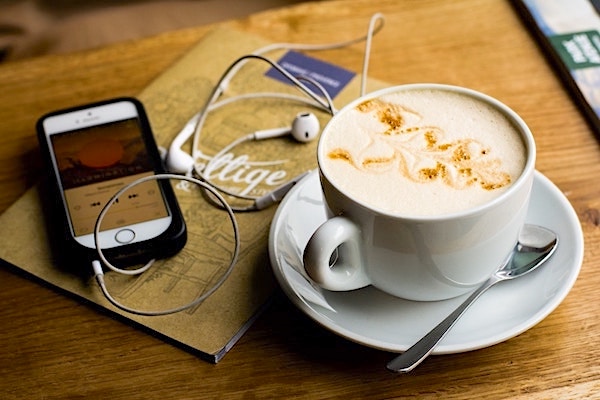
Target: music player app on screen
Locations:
point(94, 163)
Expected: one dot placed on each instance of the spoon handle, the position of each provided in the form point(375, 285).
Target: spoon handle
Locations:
point(412, 357)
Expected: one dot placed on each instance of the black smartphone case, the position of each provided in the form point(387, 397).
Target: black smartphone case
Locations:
point(67, 251)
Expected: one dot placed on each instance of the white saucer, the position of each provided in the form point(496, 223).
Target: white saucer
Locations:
point(373, 318)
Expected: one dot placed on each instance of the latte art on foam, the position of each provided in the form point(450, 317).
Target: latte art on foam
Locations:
point(424, 152)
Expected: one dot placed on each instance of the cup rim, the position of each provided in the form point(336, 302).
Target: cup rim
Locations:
point(516, 120)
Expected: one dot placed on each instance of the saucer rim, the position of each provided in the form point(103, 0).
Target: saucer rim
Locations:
point(573, 270)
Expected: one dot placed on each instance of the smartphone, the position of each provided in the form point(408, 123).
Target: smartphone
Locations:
point(92, 152)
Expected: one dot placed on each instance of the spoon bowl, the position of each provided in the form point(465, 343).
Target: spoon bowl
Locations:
point(535, 245)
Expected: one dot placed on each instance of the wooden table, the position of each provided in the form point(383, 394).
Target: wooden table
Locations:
point(54, 347)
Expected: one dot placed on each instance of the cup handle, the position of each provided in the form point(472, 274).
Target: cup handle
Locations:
point(340, 235)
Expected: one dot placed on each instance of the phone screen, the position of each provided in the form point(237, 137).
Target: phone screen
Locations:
point(93, 163)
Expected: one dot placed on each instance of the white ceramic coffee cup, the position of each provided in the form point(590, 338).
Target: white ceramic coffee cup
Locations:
point(417, 257)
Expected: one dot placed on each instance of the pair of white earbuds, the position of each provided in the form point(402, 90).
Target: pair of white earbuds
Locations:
point(305, 128)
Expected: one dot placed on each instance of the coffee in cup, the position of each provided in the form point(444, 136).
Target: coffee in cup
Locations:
point(426, 186)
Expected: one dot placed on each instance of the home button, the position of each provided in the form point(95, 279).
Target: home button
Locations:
point(125, 236)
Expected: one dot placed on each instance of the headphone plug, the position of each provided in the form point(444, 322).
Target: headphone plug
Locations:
point(97, 267)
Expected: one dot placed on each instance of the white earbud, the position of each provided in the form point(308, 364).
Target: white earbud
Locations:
point(305, 128)
point(178, 161)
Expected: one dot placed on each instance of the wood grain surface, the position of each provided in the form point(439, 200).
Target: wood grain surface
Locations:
point(54, 347)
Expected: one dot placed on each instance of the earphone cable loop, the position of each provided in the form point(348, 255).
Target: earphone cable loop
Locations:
point(99, 274)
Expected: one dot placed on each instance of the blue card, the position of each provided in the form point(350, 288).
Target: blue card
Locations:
point(331, 77)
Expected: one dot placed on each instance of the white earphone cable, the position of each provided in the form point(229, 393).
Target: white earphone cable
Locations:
point(97, 267)
point(372, 30)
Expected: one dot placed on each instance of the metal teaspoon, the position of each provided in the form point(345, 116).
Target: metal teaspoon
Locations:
point(535, 245)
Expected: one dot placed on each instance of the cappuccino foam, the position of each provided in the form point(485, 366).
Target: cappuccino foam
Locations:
point(422, 152)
